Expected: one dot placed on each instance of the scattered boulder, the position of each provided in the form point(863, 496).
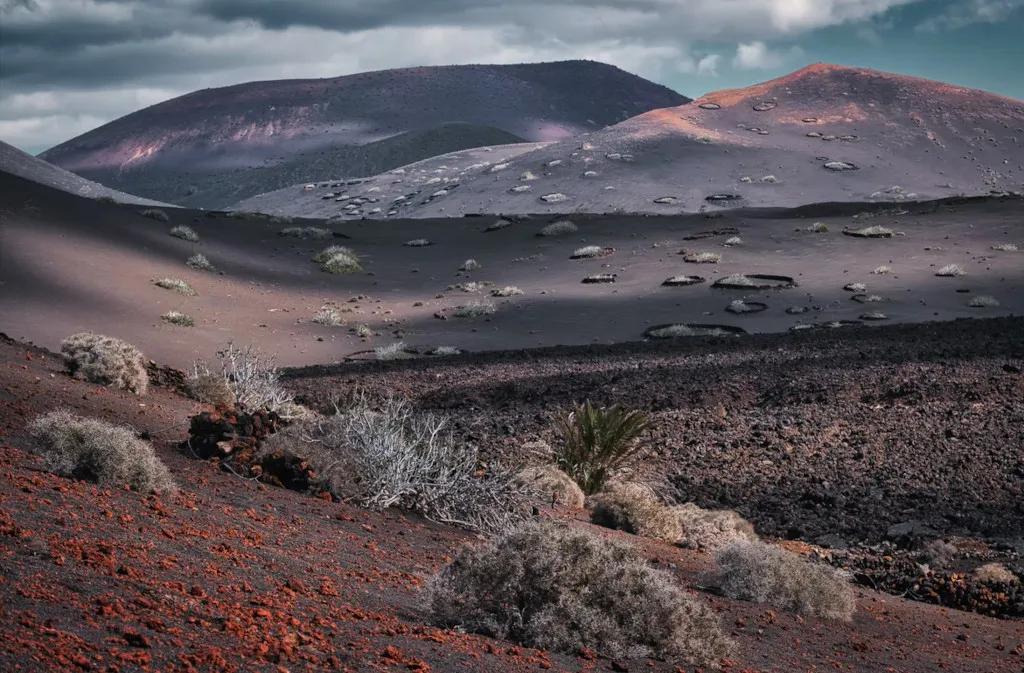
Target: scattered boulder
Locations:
point(765, 106)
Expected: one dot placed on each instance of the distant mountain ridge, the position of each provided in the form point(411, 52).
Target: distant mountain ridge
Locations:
point(24, 165)
point(173, 149)
point(825, 133)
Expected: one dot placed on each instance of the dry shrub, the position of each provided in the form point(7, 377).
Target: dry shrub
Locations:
point(155, 214)
point(388, 455)
point(199, 262)
point(210, 388)
point(761, 573)
point(185, 233)
point(91, 449)
point(712, 529)
point(252, 377)
point(939, 553)
point(105, 360)
point(551, 485)
point(994, 573)
point(554, 587)
point(635, 509)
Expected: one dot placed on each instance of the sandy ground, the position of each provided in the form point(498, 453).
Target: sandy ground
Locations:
point(71, 264)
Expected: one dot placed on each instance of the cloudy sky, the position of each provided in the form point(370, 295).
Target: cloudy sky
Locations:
point(67, 66)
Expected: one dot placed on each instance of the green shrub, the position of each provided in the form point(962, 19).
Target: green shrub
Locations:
point(554, 587)
point(599, 443)
point(86, 448)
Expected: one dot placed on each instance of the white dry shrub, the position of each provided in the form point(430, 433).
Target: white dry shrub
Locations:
point(184, 233)
point(762, 573)
point(551, 586)
point(635, 508)
point(178, 318)
point(983, 301)
point(328, 316)
point(470, 286)
point(306, 233)
point(770, 179)
point(939, 553)
point(363, 331)
point(417, 243)
point(875, 230)
point(210, 388)
point(951, 270)
point(395, 351)
point(737, 280)
point(740, 306)
point(499, 224)
point(339, 260)
point(507, 291)
point(559, 228)
point(155, 214)
point(735, 240)
point(702, 258)
point(882, 270)
point(818, 228)
point(105, 360)
point(994, 573)
point(475, 309)
point(587, 251)
point(446, 350)
point(199, 262)
point(470, 265)
point(712, 528)
point(332, 250)
point(685, 331)
point(1005, 247)
point(251, 375)
point(88, 448)
point(386, 455)
point(176, 285)
point(551, 485)
point(855, 287)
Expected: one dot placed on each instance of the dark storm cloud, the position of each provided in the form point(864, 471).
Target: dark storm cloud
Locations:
point(67, 65)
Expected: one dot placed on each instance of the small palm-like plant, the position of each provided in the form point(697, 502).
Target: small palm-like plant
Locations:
point(599, 442)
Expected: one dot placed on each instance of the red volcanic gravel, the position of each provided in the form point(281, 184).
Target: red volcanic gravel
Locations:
point(234, 575)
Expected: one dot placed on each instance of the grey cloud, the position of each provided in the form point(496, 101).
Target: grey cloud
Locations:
point(80, 46)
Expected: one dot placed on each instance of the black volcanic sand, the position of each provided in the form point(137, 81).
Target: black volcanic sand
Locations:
point(822, 433)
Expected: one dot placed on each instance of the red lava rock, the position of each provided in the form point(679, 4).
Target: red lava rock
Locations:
point(136, 639)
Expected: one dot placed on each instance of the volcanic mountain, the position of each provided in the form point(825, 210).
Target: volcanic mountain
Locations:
point(233, 142)
point(824, 133)
point(24, 165)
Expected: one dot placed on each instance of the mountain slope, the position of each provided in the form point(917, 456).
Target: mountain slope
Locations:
point(171, 150)
point(24, 165)
point(774, 144)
